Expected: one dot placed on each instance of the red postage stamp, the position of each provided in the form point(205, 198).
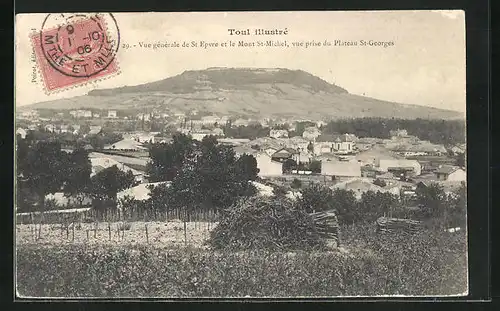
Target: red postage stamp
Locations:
point(75, 49)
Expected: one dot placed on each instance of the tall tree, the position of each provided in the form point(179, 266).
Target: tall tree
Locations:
point(432, 200)
point(167, 159)
point(84, 129)
point(41, 168)
point(107, 183)
point(345, 203)
point(209, 177)
point(316, 198)
point(246, 167)
point(77, 175)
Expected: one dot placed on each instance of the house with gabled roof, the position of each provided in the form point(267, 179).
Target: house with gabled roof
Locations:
point(450, 173)
point(359, 186)
point(311, 133)
point(326, 143)
point(265, 163)
point(284, 154)
point(340, 169)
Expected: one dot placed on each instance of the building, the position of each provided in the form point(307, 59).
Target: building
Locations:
point(303, 157)
point(76, 129)
point(30, 114)
point(22, 132)
point(399, 166)
point(97, 115)
point(278, 133)
point(327, 157)
point(218, 132)
point(311, 133)
point(240, 122)
point(95, 129)
point(373, 156)
point(398, 133)
point(200, 134)
point(143, 137)
point(340, 169)
point(99, 164)
point(459, 149)
point(112, 114)
point(326, 143)
point(144, 116)
point(210, 120)
point(296, 142)
point(140, 192)
point(284, 154)
point(359, 186)
point(450, 173)
point(126, 145)
point(233, 141)
point(266, 165)
point(50, 128)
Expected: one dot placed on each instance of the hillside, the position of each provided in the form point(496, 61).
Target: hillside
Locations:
point(247, 92)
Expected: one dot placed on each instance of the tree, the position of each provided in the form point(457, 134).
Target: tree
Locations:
point(316, 198)
point(310, 147)
point(107, 183)
point(346, 205)
point(460, 160)
point(246, 167)
point(376, 204)
point(315, 167)
point(167, 159)
point(380, 182)
point(289, 165)
point(296, 184)
point(84, 129)
point(209, 177)
point(301, 126)
point(458, 207)
point(41, 168)
point(432, 200)
point(77, 175)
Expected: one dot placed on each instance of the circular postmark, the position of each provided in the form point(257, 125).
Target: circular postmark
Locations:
point(80, 45)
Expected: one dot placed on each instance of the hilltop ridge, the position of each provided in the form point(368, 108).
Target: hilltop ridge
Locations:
point(248, 92)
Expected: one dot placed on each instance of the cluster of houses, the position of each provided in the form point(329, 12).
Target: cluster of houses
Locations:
point(347, 161)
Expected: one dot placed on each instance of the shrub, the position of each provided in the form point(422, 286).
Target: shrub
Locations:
point(265, 223)
point(380, 182)
point(296, 184)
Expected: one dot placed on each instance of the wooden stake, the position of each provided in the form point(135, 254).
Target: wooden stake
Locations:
point(185, 234)
point(87, 233)
point(147, 237)
point(109, 230)
point(73, 237)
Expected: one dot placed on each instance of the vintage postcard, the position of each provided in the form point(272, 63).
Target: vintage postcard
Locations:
point(240, 154)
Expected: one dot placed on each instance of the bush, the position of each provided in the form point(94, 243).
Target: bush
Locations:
point(296, 184)
point(380, 182)
point(265, 223)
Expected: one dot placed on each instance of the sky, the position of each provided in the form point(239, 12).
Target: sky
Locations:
point(425, 65)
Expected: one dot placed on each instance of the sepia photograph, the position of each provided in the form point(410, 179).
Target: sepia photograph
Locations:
point(304, 154)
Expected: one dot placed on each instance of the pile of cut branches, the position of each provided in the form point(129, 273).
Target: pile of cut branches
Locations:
point(272, 223)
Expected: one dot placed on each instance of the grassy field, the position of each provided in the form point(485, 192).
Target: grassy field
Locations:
point(429, 263)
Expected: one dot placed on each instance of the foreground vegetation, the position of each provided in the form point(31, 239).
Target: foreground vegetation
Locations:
point(429, 263)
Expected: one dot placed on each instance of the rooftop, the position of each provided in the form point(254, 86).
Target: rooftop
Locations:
point(447, 169)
